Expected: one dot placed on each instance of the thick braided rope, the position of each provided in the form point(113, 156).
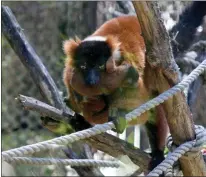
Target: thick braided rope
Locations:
point(72, 162)
point(180, 151)
point(98, 129)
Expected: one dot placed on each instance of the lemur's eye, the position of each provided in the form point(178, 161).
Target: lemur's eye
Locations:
point(101, 67)
point(83, 67)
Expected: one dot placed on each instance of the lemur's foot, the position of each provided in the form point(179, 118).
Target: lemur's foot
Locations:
point(157, 158)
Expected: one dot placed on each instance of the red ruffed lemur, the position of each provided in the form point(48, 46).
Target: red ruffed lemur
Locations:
point(104, 75)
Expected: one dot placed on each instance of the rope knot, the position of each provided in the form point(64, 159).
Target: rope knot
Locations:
point(200, 132)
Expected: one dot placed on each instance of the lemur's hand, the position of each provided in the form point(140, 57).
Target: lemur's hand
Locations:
point(95, 110)
point(117, 116)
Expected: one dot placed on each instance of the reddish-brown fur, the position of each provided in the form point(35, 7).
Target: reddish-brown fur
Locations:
point(128, 33)
point(125, 33)
point(120, 33)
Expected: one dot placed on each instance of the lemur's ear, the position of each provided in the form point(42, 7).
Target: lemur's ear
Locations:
point(115, 46)
point(69, 46)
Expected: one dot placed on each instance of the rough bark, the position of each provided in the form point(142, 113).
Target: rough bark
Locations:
point(104, 142)
point(117, 147)
point(14, 34)
point(160, 61)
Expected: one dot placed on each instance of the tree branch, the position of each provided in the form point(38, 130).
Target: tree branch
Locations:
point(88, 153)
point(44, 82)
point(160, 61)
point(42, 108)
point(159, 53)
point(126, 6)
point(117, 147)
point(104, 142)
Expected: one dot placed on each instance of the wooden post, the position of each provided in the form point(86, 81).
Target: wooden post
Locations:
point(161, 61)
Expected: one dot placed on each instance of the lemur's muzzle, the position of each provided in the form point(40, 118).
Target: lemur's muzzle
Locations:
point(92, 77)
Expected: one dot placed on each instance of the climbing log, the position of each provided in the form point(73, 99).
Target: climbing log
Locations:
point(160, 60)
point(104, 142)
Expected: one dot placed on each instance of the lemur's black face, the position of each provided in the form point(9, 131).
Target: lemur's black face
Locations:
point(90, 58)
